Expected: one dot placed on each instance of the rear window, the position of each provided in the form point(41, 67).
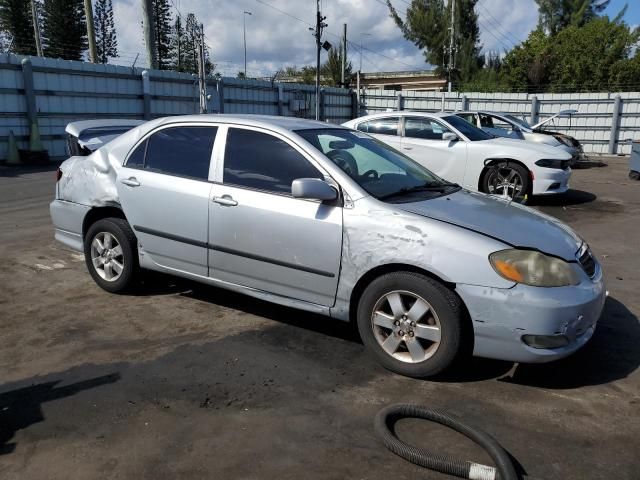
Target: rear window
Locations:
point(381, 126)
point(180, 151)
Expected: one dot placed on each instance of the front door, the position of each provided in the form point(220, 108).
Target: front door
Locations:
point(423, 142)
point(263, 238)
point(164, 192)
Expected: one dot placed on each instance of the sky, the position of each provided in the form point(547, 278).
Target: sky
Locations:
point(278, 35)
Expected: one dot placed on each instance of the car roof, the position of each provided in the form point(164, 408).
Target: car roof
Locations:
point(402, 113)
point(285, 123)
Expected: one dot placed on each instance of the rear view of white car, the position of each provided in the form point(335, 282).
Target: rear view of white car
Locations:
point(459, 152)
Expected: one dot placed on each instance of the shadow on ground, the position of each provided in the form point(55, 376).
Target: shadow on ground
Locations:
point(611, 354)
point(22, 407)
point(570, 197)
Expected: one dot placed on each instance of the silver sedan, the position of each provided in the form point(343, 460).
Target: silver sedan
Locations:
point(329, 220)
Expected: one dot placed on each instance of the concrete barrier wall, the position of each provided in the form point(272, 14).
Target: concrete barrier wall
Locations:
point(605, 122)
point(57, 92)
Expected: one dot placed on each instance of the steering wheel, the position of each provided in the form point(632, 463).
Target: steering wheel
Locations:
point(371, 173)
point(345, 161)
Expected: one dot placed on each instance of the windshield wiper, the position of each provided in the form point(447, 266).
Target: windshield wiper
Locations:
point(428, 187)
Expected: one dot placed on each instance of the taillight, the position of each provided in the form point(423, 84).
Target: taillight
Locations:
point(58, 175)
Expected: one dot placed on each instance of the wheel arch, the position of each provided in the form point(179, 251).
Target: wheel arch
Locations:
point(493, 161)
point(98, 213)
point(376, 272)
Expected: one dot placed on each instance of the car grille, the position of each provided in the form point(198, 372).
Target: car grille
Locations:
point(588, 263)
point(565, 164)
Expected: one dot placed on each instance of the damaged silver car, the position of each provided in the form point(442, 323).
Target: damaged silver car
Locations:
point(330, 220)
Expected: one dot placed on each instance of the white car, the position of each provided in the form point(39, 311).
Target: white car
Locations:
point(459, 152)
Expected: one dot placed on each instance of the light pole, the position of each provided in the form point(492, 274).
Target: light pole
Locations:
point(362, 34)
point(244, 37)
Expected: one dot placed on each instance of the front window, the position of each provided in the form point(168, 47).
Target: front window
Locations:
point(379, 169)
point(519, 121)
point(471, 132)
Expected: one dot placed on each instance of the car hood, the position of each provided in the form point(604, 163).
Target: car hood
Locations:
point(501, 219)
point(526, 148)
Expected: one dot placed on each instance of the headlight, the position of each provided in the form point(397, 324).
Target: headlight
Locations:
point(533, 268)
point(552, 163)
point(563, 139)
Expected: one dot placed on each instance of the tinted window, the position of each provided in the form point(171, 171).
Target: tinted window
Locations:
point(424, 128)
point(264, 162)
point(182, 151)
point(472, 132)
point(381, 126)
point(136, 159)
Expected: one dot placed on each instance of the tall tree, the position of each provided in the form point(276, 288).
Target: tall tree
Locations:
point(427, 25)
point(558, 14)
point(64, 30)
point(161, 16)
point(184, 45)
point(17, 26)
point(332, 68)
point(106, 41)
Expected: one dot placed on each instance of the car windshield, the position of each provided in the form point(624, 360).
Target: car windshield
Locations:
point(472, 132)
point(519, 121)
point(380, 170)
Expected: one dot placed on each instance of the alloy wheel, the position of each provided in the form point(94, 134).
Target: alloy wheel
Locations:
point(505, 181)
point(406, 326)
point(107, 256)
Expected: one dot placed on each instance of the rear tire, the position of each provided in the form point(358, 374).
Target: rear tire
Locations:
point(411, 323)
point(111, 254)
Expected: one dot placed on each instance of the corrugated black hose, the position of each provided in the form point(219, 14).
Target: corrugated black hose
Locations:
point(387, 417)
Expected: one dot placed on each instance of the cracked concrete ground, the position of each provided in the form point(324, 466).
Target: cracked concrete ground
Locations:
point(188, 381)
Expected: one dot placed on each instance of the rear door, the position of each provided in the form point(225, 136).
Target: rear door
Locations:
point(423, 142)
point(260, 236)
point(386, 129)
point(164, 190)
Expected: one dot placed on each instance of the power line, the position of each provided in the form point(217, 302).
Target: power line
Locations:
point(508, 35)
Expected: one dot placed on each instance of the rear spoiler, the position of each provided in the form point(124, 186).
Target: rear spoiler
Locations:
point(93, 134)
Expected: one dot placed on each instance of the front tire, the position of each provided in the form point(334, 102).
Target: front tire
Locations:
point(507, 179)
point(111, 255)
point(411, 323)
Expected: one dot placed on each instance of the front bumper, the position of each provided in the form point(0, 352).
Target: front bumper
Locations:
point(502, 316)
point(547, 181)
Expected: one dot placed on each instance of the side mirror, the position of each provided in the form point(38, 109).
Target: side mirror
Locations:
point(313, 189)
point(450, 137)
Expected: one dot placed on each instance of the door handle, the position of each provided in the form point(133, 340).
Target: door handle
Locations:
point(225, 200)
point(407, 148)
point(131, 182)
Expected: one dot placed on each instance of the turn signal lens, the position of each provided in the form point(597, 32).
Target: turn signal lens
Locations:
point(533, 268)
point(508, 271)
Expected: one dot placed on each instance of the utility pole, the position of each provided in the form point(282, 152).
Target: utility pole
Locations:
point(244, 38)
point(344, 56)
point(36, 28)
point(202, 80)
point(88, 12)
point(318, 34)
point(149, 32)
point(451, 30)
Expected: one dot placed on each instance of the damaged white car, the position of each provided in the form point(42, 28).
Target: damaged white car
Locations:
point(462, 153)
point(330, 220)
